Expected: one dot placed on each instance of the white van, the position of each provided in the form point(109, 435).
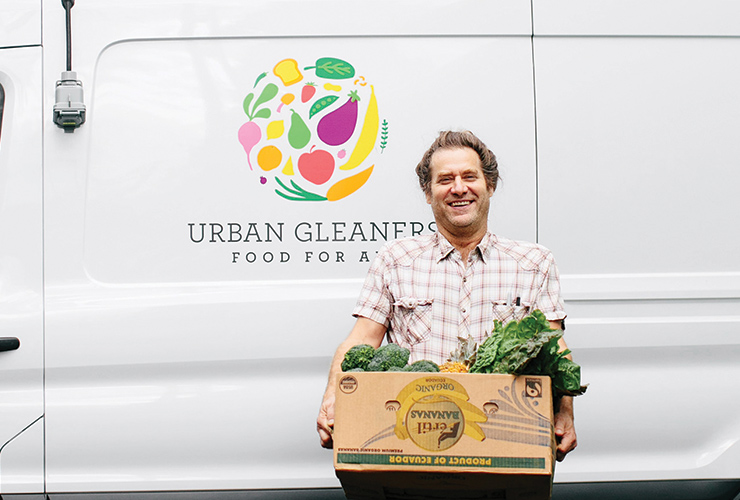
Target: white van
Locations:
point(176, 270)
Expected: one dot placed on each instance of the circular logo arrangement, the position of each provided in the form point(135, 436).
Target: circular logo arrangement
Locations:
point(312, 131)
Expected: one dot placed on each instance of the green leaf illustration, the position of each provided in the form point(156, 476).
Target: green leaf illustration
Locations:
point(329, 67)
point(299, 194)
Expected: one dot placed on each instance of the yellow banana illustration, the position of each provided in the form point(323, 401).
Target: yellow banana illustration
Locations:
point(368, 135)
point(400, 429)
point(442, 389)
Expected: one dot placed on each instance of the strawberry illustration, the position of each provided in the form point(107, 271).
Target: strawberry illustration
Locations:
point(308, 91)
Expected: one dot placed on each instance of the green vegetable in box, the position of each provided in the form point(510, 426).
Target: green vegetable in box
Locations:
point(388, 358)
point(423, 365)
point(529, 347)
point(358, 357)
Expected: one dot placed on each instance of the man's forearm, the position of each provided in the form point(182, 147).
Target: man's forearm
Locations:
point(565, 405)
point(336, 365)
point(365, 331)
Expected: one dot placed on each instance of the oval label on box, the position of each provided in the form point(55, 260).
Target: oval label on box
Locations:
point(435, 412)
point(435, 423)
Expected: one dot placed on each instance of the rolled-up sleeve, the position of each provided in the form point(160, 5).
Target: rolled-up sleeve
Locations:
point(375, 301)
point(549, 299)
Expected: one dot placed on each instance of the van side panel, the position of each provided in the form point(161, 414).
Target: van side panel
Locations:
point(21, 21)
point(200, 263)
point(637, 145)
point(21, 273)
point(636, 18)
point(196, 291)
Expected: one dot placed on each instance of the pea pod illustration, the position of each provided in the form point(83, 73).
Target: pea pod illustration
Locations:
point(299, 135)
point(329, 67)
point(322, 103)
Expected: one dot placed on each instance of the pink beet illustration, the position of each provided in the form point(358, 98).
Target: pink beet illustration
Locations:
point(249, 135)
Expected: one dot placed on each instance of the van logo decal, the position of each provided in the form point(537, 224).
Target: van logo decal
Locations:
point(313, 131)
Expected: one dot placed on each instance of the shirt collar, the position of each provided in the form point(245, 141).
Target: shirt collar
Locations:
point(445, 248)
point(485, 247)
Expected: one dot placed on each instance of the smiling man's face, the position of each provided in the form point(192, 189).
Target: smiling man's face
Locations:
point(459, 194)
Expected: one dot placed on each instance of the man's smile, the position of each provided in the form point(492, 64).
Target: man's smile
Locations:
point(460, 203)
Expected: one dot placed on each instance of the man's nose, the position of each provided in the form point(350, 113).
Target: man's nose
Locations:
point(459, 187)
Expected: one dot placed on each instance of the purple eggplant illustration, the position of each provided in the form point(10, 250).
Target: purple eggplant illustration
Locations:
point(338, 126)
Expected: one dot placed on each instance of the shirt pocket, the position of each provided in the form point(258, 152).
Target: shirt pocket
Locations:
point(505, 312)
point(414, 319)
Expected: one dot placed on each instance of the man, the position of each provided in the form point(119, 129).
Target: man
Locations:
point(426, 291)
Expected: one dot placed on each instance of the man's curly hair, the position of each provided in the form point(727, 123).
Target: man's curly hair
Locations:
point(449, 139)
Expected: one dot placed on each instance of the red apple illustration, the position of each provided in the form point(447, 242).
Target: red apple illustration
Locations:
point(316, 166)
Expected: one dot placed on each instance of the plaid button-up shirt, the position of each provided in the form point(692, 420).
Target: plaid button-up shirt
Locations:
point(421, 290)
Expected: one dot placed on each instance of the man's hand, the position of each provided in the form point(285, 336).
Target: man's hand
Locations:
point(565, 430)
point(365, 331)
point(325, 421)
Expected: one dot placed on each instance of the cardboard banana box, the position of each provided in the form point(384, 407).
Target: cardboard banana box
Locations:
point(444, 435)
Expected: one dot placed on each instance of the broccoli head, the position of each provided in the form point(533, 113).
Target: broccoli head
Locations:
point(375, 365)
point(358, 356)
point(388, 356)
point(423, 365)
point(395, 369)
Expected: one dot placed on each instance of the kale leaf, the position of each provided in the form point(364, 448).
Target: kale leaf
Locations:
point(529, 347)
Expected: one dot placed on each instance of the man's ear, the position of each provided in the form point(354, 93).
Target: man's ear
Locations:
point(428, 194)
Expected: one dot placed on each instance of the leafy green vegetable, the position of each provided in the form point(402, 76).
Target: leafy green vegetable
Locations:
point(568, 378)
point(248, 104)
point(268, 93)
point(262, 113)
point(329, 67)
point(384, 135)
point(297, 193)
point(258, 79)
point(529, 347)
